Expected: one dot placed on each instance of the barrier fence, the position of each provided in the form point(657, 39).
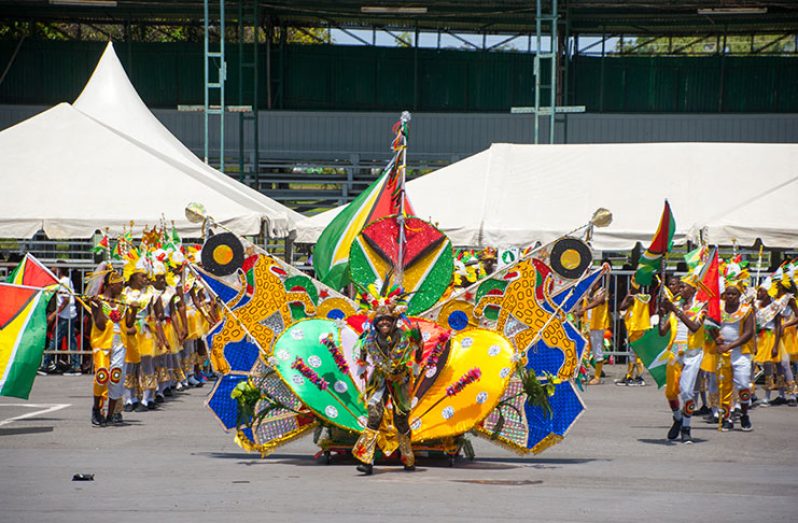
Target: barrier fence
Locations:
point(617, 284)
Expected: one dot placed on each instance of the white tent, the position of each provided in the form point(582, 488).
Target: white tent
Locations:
point(111, 99)
point(69, 175)
point(515, 195)
point(769, 213)
point(73, 169)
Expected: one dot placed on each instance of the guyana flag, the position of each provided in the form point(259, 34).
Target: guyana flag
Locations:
point(331, 253)
point(662, 242)
point(654, 351)
point(32, 272)
point(23, 334)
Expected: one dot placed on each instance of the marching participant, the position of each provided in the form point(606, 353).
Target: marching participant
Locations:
point(597, 309)
point(769, 348)
point(141, 293)
point(637, 319)
point(734, 345)
point(110, 323)
point(686, 354)
point(135, 274)
point(784, 290)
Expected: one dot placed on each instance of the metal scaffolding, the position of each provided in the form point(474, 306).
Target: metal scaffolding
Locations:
point(248, 14)
point(545, 21)
point(214, 60)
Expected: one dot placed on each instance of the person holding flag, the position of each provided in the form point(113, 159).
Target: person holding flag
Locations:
point(651, 347)
point(686, 316)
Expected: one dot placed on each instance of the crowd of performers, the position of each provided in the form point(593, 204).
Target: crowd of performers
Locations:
point(148, 325)
point(718, 362)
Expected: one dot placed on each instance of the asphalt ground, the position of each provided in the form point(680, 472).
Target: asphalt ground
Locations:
point(176, 464)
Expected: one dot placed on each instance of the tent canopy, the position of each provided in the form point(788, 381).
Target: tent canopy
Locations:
point(516, 195)
point(106, 160)
point(85, 176)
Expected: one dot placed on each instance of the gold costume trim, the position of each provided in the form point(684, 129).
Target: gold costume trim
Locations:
point(406, 450)
point(365, 446)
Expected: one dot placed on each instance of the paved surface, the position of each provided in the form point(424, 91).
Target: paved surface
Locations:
point(176, 464)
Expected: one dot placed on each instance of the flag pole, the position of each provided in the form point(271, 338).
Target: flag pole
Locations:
point(404, 120)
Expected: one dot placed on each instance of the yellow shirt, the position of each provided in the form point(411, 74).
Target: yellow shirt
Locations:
point(600, 317)
point(637, 316)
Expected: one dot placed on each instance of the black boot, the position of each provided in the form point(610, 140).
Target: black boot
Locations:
point(366, 468)
point(97, 418)
point(675, 428)
point(686, 438)
point(410, 468)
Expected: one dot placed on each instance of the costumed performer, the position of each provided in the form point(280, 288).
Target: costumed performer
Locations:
point(111, 322)
point(394, 351)
point(734, 343)
point(685, 356)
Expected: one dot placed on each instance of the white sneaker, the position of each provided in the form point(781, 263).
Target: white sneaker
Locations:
point(192, 381)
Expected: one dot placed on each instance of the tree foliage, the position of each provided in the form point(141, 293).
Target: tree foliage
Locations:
point(696, 45)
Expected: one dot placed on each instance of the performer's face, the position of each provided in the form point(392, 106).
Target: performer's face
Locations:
point(138, 280)
point(687, 291)
point(732, 296)
point(385, 326)
point(115, 289)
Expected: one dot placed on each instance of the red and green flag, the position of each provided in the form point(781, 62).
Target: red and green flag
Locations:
point(380, 199)
point(662, 242)
point(32, 272)
point(103, 246)
point(709, 288)
point(23, 334)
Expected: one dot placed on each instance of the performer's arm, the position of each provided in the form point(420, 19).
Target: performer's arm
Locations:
point(776, 336)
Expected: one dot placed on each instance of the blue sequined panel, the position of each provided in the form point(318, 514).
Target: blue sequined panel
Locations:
point(543, 358)
point(566, 406)
point(222, 290)
point(241, 355)
point(220, 402)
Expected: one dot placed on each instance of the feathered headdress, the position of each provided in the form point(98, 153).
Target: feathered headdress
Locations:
point(135, 263)
point(782, 278)
point(389, 300)
point(735, 273)
point(95, 280)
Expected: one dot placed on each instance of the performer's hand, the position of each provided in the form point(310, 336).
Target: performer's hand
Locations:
point(774, 352)
point(722, 347)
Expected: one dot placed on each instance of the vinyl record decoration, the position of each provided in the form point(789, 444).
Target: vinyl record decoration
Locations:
point(222, 254)
point(570, 257)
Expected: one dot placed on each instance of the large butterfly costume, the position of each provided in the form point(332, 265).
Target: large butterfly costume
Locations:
point(288, 346)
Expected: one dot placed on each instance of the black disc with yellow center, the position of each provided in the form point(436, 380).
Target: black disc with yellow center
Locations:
point(222, 254)
point(570, 257)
